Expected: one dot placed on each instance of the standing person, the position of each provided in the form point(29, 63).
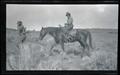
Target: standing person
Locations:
point(21, 31)
point(24, 53)
point(20, 28)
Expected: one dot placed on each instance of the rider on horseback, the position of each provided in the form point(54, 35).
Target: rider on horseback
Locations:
point(69, 25)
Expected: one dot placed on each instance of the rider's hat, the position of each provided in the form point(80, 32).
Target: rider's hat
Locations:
point(67, 13)
point(19, 22)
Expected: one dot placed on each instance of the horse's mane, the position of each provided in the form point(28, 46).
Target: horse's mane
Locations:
point(52, 28)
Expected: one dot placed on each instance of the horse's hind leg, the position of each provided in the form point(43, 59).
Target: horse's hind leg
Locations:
point(85, 46)
point(88, 51)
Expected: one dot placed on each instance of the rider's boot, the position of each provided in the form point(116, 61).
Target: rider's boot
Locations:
point(69, 36)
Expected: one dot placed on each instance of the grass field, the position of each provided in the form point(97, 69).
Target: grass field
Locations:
point(35, 54)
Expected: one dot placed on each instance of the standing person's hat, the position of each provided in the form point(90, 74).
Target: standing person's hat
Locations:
point(67, 13)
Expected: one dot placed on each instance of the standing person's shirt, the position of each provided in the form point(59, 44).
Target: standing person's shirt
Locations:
point(21, 29)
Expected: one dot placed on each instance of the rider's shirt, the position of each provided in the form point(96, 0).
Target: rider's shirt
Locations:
point(70, 21)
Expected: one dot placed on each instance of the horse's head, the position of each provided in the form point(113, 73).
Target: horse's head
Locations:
point(42, 33)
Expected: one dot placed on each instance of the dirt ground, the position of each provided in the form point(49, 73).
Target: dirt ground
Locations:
point(36, 55)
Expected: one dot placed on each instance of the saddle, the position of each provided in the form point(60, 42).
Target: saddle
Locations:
point(68, 35)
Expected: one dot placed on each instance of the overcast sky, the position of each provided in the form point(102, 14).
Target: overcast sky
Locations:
point(84, 16)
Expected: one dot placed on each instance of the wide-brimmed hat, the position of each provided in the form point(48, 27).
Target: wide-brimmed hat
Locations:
point(19, 22)
point(67, 13)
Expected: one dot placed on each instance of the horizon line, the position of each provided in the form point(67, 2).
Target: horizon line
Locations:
point(73, 28)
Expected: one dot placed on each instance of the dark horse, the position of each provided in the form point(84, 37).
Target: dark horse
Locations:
point(76, 35)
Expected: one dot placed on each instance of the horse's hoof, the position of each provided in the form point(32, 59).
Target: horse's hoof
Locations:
point(81, 56)
point(62, 53)
point(88, 54)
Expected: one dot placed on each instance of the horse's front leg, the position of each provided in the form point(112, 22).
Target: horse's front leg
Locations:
point(53, 46)
point(63, 49)
point(87, 51)
point(62, 45)
point(51, 49)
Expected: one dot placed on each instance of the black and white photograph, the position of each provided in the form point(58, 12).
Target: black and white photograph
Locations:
point(61, 37)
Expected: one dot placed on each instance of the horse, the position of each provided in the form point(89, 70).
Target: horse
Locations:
point(79, 35)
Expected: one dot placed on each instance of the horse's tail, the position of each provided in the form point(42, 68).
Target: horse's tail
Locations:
point(90, 40)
